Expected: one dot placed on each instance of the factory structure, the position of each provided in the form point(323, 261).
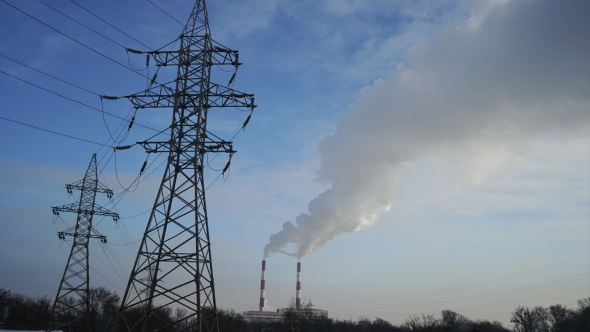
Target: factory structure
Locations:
point(279, 313)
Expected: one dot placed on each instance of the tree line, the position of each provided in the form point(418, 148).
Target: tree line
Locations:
point(555, 318)
point(23, 312)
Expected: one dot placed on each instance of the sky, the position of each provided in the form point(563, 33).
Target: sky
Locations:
point(416, 155)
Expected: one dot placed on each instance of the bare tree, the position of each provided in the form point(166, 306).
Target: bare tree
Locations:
point(261, 325)
point(26, 313)
point(299, 319)
point(561, 318)
point(381, 325)
point(583, 315)
point(424, 323)
point(531, 320)
point(4, 303)
point(103, 309)
point(452, 321)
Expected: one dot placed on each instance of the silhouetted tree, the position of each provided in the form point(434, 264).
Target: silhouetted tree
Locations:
point(381, 325)
point(424, 323)
point(561, 318)
point(345, 326)
point(452, 321)
point(583, 315)
point(263, 325)
point(104, 306)
point(531, 320)
point(229, 320)
point(4, 303)
point(27, 313)
point(487, 326)
point(21, 312)
point(298, 319)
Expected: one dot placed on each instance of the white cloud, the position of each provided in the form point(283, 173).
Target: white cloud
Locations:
point(521, 75)
point(245, 17)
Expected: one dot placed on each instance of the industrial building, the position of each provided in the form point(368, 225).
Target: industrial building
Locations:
point(279, 313)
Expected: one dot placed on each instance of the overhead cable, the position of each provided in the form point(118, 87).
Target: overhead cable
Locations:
point(44, 73)
point(74, 40)
point(53, 132)
point(82, 24)
point(109, 24)
point(163, 11)
point(73, 100)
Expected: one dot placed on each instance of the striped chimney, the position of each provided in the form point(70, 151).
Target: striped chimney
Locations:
point(262, 286)
point(298, 294)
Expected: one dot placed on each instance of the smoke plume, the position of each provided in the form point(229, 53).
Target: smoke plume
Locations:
point(516, 71)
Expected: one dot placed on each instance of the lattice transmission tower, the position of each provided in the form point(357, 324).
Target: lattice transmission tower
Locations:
point(173, 269)
point(71, 308)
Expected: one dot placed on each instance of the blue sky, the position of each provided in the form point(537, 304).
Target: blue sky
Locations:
point(452, 135)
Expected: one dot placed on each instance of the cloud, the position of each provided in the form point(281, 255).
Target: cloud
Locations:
point(246, 17)
point(483, 90)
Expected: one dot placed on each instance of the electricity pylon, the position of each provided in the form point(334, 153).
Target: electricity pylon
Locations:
point(173, 268)
point(71, 307)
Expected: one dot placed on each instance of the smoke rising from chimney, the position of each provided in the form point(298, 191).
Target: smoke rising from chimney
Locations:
point(520, 73)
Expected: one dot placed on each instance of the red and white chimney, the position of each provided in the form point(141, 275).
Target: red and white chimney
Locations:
point(298, 293)
point(262, 286)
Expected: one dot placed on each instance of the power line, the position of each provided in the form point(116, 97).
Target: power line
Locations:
point(82, 24)
point(103, 263)
point(109, 250)
point(126, 190)
point(54, 132)
point(102, 111)
point(163, 11)
point(124, 244)
point(141, 180)
point(112, 26)
point(73, 100)
point(76, 41)
point(44, 73)
point(107, 280)
point(120, 130)
point(124, 231)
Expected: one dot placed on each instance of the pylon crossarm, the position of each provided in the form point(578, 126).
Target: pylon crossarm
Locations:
point(91, 236)
point(224, 96)
point(219, 57)
point(209, 146)
point(218, 96)
point(80, 185)
point(75, 208)
point(100, 211)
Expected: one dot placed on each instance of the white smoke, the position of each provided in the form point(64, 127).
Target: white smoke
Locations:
point(520, 72)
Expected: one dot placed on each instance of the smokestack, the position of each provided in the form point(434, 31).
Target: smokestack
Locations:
point(262, 286)
point(298, 294)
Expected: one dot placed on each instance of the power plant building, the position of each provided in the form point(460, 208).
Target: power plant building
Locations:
point(279, 313)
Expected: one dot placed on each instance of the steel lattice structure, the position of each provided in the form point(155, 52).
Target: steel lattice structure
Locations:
point(71, 307)
point(173, 268)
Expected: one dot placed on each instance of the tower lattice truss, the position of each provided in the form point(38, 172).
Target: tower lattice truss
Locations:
point(171, 286)
point(71, 308)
